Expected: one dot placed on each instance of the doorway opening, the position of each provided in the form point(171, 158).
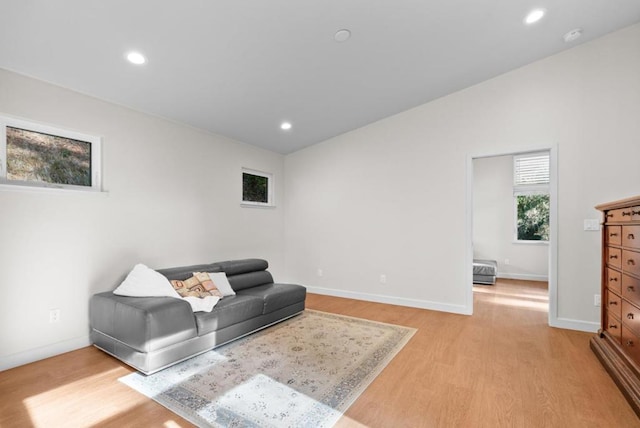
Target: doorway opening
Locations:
point(512, 224)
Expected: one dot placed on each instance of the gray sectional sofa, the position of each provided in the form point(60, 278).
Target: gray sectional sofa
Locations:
point(151, 333)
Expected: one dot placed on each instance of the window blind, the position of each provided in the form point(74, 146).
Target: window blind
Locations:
point(531, 168)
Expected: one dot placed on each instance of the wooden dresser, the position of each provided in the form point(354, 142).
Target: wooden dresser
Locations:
point(617, 343)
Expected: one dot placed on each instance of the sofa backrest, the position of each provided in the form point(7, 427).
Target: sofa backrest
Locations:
point(245, 273)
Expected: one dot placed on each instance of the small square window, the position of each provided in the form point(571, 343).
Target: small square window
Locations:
point(257, 188)
point(41, 156)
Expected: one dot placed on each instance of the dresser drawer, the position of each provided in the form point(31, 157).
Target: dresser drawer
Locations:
point(614, 257)
point(614, 303)
point(630, 316)
point(631, 236)
point(631, 344)
point(613, 235)
point(614, 327)
point(631, 262)
point(614, 280)
point(631, 289)
point(623, 214)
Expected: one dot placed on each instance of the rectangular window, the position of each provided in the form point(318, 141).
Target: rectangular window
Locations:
point(35, 155)
point(257, 188)
point(533, 217)
point(531, 169)
point(531, 197)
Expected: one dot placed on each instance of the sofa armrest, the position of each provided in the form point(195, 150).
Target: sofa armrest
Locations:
point(143, 323)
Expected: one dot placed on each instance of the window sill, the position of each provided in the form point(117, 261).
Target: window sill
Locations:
point(531, 242)
point(250, 205)
point(43, 189)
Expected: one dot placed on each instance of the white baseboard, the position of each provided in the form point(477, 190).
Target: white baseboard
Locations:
point(569, 324)
point(523, 276)
point(22, 358)
point(400, 301)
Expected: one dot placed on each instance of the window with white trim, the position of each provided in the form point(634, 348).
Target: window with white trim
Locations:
point(42, 156)
point(531, 197)
point(257, 188)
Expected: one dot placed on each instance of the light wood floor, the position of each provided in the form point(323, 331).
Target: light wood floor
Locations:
point(501, 367)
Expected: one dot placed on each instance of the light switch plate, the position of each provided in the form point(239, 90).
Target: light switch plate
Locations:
point(591, 224)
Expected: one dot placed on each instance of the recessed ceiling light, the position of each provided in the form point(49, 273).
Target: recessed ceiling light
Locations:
point(285, 126)
point(342, 35)
point(573, 35)
point(534, 16)
point(136, 58)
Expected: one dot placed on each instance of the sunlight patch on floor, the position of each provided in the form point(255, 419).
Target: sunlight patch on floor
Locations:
point(541, 297)
point(264, 400)
point(72, 398)
point(519, 303)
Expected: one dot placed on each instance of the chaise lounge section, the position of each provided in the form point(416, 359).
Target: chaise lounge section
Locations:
point(152, 333)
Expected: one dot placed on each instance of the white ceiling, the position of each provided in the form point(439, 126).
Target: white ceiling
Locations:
point(240, 67)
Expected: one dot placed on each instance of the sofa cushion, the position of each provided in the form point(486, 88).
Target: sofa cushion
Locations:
point(199, 285)
point(222, 283)
point(276, 296)
point(236, 267)
point(228, 311)
point(145, 282)
point(249, 279)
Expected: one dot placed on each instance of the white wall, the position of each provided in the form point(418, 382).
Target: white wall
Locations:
point(494, 223)
point(385, 199)
point(390, 197)
point(173, 199)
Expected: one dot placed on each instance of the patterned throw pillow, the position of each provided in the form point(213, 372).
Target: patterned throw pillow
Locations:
point(199, 285)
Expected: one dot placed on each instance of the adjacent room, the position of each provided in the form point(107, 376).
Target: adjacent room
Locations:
point(267, 213)
point(511, 226)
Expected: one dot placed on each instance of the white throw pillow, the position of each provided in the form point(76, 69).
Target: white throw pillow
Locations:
point(202, 304)
point(145, 282)
point(222, 283)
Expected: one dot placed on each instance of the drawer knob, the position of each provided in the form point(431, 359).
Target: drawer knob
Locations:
point(613, 256)
point(635, 212)
point(609, 215)
point(629, 316)
point(613, 302)
point(626, 213)
point(630, 236)
point(613, 234)
point(629, 342)
point(631, 262)
point(613, 326)
point(630, 289)
point(613, 279)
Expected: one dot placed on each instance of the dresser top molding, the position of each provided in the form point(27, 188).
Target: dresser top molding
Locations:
point(622, 203)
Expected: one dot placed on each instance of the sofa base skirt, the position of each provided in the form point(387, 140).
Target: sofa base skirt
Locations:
point(151, 362)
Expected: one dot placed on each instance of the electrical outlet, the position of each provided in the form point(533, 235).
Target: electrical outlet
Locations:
point(54, 316)
point(506, 261)
point(597, 300)
point(383, 279)
point(591, 224)
point(319, 273)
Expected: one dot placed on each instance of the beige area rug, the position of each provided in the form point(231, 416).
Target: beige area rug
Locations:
point(303, 372)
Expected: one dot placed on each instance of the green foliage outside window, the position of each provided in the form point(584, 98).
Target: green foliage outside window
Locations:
point(255, 188)
point(533, 217)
